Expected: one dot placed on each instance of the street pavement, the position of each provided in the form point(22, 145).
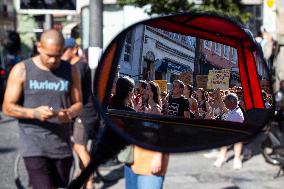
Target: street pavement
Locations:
point(186, 171)
point(193, 171)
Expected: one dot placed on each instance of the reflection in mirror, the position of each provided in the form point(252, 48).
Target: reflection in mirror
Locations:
point(177, 75)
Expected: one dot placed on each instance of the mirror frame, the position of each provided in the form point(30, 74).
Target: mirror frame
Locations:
point(236, 36)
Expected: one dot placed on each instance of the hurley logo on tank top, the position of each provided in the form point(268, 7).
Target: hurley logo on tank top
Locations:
point(48, 85)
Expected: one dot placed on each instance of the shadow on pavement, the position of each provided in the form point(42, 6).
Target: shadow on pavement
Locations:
point(111, 178)
point(251, 148)
point(7, 150)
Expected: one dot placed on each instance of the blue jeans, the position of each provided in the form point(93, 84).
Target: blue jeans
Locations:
point(130, 178)
point(150, 181)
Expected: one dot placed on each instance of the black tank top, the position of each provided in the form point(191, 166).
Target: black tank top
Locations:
point(46, 88)
point(88, 116)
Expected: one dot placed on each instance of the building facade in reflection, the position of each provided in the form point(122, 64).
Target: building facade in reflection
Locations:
point(154, 54)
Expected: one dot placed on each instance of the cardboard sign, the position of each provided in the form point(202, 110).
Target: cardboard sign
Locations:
point(162, 84)
point(185, 77)
point(218, 79)
point(201, 81)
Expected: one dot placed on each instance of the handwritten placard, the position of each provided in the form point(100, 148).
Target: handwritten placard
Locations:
point(218, 79)
point(201, 81)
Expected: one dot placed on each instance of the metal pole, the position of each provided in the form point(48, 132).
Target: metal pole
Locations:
point(96, 23)
point(279, 62)
point(95, 35)
point(48, 22)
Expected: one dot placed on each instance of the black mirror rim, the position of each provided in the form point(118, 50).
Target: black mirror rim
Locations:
point(123, 33)
point(102, 107)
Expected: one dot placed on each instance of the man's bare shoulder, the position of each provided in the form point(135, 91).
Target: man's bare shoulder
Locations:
point(18, 71)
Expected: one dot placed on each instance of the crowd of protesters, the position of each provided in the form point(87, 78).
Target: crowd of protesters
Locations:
point(187, 101)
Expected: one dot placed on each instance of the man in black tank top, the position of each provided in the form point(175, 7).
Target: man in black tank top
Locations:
point(84, 123)
point(44, 93)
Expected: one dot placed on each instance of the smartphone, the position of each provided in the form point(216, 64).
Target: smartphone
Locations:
point(55, 110)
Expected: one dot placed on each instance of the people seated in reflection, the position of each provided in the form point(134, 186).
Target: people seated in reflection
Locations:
point(187, 93)
point(203, 104)
point(178, 105)
point(140, 98)
point(235, 114)
point(149, 166)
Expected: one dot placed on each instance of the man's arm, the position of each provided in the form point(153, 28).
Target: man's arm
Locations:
point(13, 93)
point(75, 109)
point(76, 92)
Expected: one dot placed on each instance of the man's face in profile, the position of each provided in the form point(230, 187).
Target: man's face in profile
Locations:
point(177, 90)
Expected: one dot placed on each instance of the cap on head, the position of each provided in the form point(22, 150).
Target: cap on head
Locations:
point(70, 43)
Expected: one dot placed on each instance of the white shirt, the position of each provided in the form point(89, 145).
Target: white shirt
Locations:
point(267, 105)
point(235, 115)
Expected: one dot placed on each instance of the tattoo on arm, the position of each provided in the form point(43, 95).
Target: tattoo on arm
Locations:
point(17, 109)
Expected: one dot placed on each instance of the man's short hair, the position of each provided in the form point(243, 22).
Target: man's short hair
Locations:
point(181, 84)
point(75, 32)
point(232, 97)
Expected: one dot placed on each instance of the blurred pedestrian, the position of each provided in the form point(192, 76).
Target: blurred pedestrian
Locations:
point(150, 166)
point(44, 93)
point(84, 124)
point(122, 100)
point(12, 49)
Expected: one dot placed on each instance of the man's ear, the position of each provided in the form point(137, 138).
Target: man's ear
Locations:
point(38, 46)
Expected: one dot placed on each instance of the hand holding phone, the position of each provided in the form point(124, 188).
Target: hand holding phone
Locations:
point(54, 110)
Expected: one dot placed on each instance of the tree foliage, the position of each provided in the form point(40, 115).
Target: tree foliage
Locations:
point(232, 8)
point(161, 7)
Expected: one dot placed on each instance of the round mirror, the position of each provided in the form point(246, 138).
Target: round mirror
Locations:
point(184, 82)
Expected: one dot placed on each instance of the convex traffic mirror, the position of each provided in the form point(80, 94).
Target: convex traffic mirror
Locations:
point(182, 69)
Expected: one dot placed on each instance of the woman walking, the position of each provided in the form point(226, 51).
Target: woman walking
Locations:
point(150, 166)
